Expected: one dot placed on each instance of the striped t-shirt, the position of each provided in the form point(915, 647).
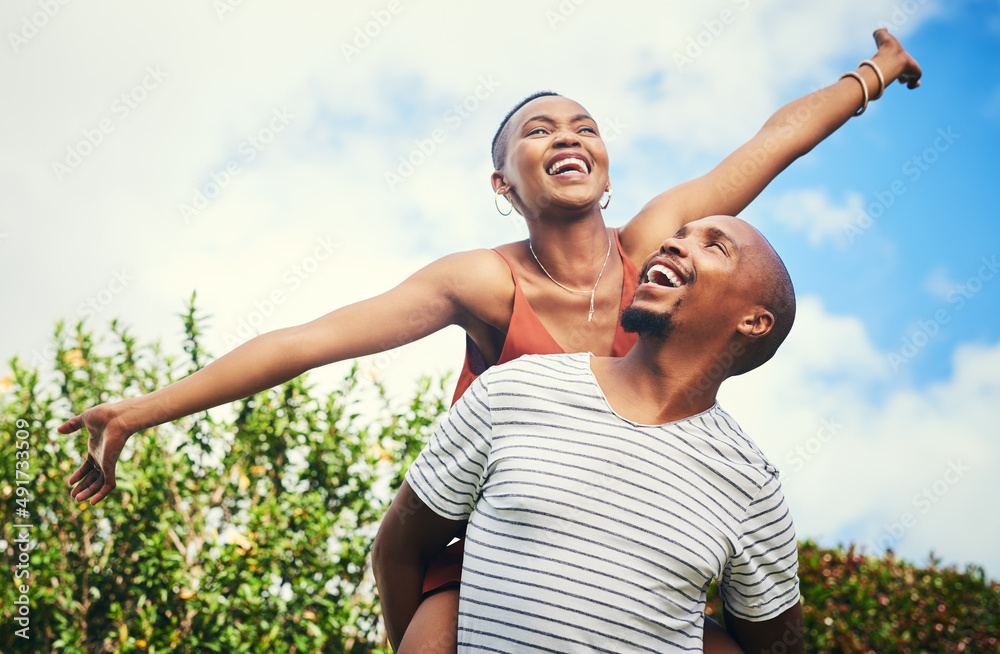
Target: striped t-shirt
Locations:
point(592, 533)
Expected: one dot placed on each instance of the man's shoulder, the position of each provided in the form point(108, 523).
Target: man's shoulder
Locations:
point(744, 450)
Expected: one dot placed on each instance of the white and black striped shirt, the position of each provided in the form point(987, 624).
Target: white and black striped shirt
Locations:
point(592, 533)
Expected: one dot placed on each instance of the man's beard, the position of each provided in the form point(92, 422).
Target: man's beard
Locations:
point(648, 323)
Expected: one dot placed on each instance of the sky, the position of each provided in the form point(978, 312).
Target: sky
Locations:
point(320, 152)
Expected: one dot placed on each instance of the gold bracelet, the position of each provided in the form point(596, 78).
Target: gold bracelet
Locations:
point(878, 74)
point(864, 89)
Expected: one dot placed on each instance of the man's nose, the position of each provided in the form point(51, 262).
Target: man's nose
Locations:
point(673, 246)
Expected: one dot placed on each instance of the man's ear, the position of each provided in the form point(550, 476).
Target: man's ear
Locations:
point(756, 324)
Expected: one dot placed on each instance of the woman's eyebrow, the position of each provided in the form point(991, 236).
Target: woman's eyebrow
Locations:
point(542, 117)
point(548, 118)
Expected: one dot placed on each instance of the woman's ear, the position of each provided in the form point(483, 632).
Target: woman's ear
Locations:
point(499, 181)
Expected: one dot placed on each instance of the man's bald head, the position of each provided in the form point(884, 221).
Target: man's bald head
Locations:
point(766, 273)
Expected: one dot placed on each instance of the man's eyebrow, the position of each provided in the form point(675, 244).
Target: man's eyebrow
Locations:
point(715, 232)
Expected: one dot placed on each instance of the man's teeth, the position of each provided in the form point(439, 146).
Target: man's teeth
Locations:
point(562, 163)
point(667, 273)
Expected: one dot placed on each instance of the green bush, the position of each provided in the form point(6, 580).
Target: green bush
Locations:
point(249, 532)
point(857, 604)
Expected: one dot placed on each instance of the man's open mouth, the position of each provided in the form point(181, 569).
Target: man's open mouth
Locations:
point(663, 276)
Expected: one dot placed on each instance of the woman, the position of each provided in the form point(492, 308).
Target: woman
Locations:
point(561, 290)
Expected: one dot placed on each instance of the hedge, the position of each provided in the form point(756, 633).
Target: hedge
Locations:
point(247, 529)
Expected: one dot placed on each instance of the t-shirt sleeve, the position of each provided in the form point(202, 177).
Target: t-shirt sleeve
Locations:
point(448, 474)
point(761, 579)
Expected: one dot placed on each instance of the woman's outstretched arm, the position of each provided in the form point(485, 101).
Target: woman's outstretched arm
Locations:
point(453, 290)
point(792, 131)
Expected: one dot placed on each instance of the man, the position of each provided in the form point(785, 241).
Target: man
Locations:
point(603, 495)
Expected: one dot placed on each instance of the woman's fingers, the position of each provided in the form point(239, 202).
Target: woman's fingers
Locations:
point(109, 485)
point(88, 485)
point(70, 425)
point(882, 35)
point(81, 472)
point(88, 493)
point(911, 69)
point(91, 491)
point(94, 484)
point(108, 465)
point(911, 77)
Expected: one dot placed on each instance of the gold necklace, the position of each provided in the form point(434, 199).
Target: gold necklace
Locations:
point(574, 290)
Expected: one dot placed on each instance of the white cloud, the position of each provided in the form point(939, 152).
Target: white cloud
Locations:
point(939, 283)
point(861, 449)
point(814, 213)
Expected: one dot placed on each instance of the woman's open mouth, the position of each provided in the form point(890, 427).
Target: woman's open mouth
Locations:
point(568, 166)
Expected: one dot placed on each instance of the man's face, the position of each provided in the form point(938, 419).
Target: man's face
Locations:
point(695, 281)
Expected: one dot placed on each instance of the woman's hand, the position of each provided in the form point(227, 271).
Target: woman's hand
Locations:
point(95, 478)
point(895, 62)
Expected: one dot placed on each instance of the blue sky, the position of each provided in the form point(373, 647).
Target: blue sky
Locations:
point(946, 220)
point(860, 424)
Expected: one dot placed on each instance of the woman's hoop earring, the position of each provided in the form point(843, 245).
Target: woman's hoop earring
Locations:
point(605, 205)
point(496, 202)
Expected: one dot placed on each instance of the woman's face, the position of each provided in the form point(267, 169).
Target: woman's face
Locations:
point(555, 157)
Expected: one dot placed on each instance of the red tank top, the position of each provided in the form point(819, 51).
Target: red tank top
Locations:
point(527, 335)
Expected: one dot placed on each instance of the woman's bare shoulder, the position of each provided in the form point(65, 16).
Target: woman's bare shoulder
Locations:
point(483, 267)
point(478, 280)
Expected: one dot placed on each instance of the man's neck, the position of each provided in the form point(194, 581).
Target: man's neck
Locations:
point(654, 384)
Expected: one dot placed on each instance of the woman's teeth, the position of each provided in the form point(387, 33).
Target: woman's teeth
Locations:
point(579, 165)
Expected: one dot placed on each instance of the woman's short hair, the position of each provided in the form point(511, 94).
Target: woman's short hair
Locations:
point(499, 150)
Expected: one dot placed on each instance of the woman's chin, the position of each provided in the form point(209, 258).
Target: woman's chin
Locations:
point(574, 202)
